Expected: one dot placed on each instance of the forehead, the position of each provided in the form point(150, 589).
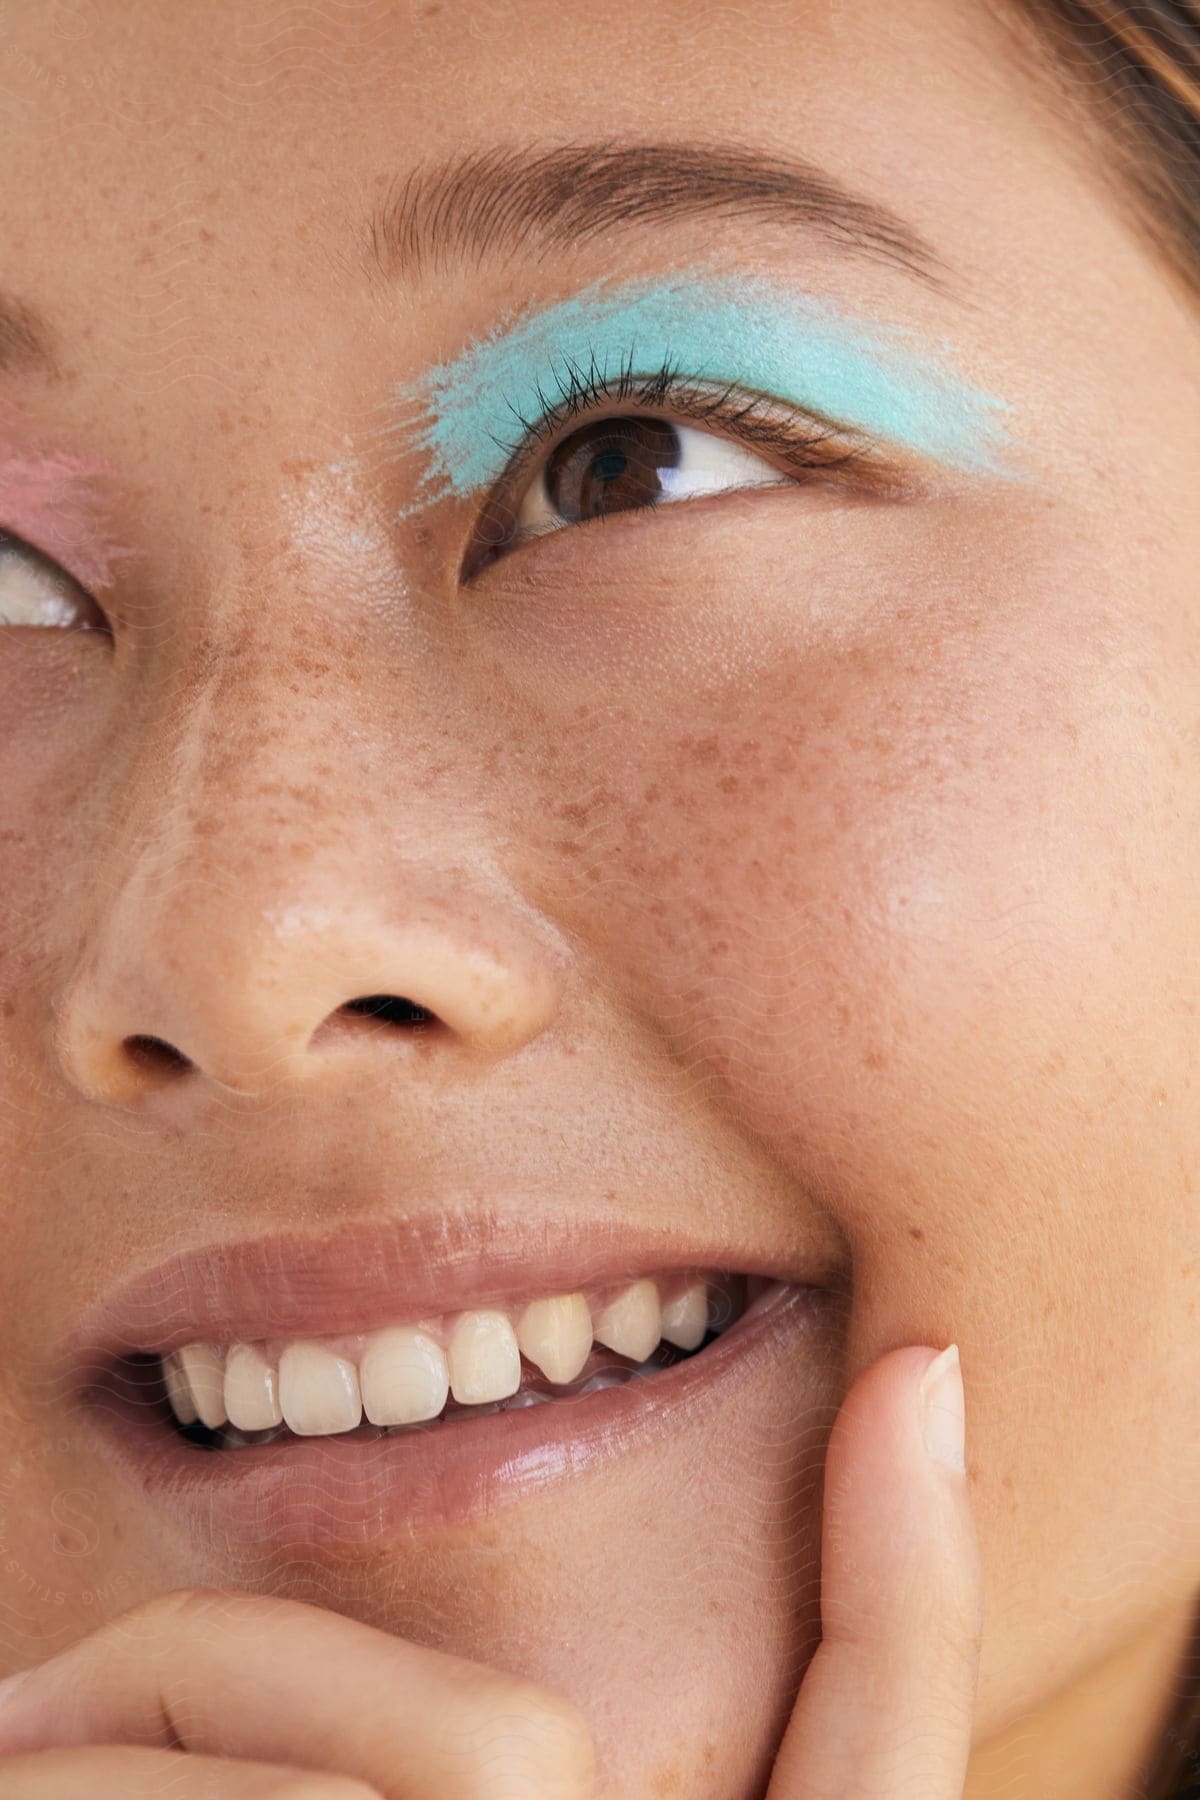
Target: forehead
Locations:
point(290, 129)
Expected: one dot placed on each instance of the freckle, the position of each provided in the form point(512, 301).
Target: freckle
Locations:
point(875, 1059)
point(917, 1235)
point(729, 784)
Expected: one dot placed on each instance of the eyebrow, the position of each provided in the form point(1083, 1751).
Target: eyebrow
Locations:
point(490, 202)
point(499, 201)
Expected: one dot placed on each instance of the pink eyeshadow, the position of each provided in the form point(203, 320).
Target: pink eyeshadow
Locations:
point(53, 502)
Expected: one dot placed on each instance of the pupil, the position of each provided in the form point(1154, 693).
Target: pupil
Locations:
point(610, 466)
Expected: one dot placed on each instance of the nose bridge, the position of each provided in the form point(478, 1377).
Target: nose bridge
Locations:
point(286, 853)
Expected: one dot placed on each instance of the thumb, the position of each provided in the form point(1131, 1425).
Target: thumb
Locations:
point(887, 1705)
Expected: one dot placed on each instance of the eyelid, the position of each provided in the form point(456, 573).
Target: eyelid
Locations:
point(58, 505)
point(800, 439)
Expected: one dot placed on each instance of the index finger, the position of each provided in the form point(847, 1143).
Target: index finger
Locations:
point(241, 1675)
point(887, 1704)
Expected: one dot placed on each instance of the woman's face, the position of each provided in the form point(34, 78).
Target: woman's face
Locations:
point(799, 882)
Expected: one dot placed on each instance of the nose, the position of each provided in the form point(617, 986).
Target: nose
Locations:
point(254, 930)
point(192, 981)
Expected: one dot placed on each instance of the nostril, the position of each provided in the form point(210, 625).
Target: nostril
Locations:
point(391, 1009)
point(154, 1054)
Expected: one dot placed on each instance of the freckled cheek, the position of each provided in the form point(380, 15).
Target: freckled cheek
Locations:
point(855, 836)
point(812, 899)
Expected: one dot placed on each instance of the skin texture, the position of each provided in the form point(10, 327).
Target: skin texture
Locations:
point(871, 829)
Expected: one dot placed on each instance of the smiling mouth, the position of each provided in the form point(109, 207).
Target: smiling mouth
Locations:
point(437, 1370)
point(406, 1375)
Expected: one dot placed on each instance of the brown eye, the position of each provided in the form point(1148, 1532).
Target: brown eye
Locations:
point(609, 466)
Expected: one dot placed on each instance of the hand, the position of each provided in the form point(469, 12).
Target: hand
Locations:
point(219, 1694)
point(203, 1692)
point(887, 1705)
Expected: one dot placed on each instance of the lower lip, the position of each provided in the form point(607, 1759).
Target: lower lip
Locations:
point(343, 1493)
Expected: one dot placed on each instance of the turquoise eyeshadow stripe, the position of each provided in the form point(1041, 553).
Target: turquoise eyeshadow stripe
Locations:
point(795, 348)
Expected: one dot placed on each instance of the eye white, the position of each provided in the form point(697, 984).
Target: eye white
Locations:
point(28, 596)
point(707, 465)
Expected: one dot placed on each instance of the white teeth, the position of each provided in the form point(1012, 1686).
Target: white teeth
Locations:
point(179, 1393)
point(631, 1324)
point(556, 1335)
point(251, 1390)
point(403, 1376)
point(484, 1359)
point(685, 1319)
point(318, 1391)
point(200, 1365)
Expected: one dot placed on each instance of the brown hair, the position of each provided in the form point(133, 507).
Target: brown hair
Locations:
point(1132, 74)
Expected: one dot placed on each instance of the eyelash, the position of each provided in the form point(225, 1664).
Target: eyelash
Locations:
point(803, 442)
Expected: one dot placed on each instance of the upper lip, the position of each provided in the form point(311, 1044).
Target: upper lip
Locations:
point(387, 1270)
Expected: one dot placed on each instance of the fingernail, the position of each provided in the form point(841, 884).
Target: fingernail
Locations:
point(943, 1410)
